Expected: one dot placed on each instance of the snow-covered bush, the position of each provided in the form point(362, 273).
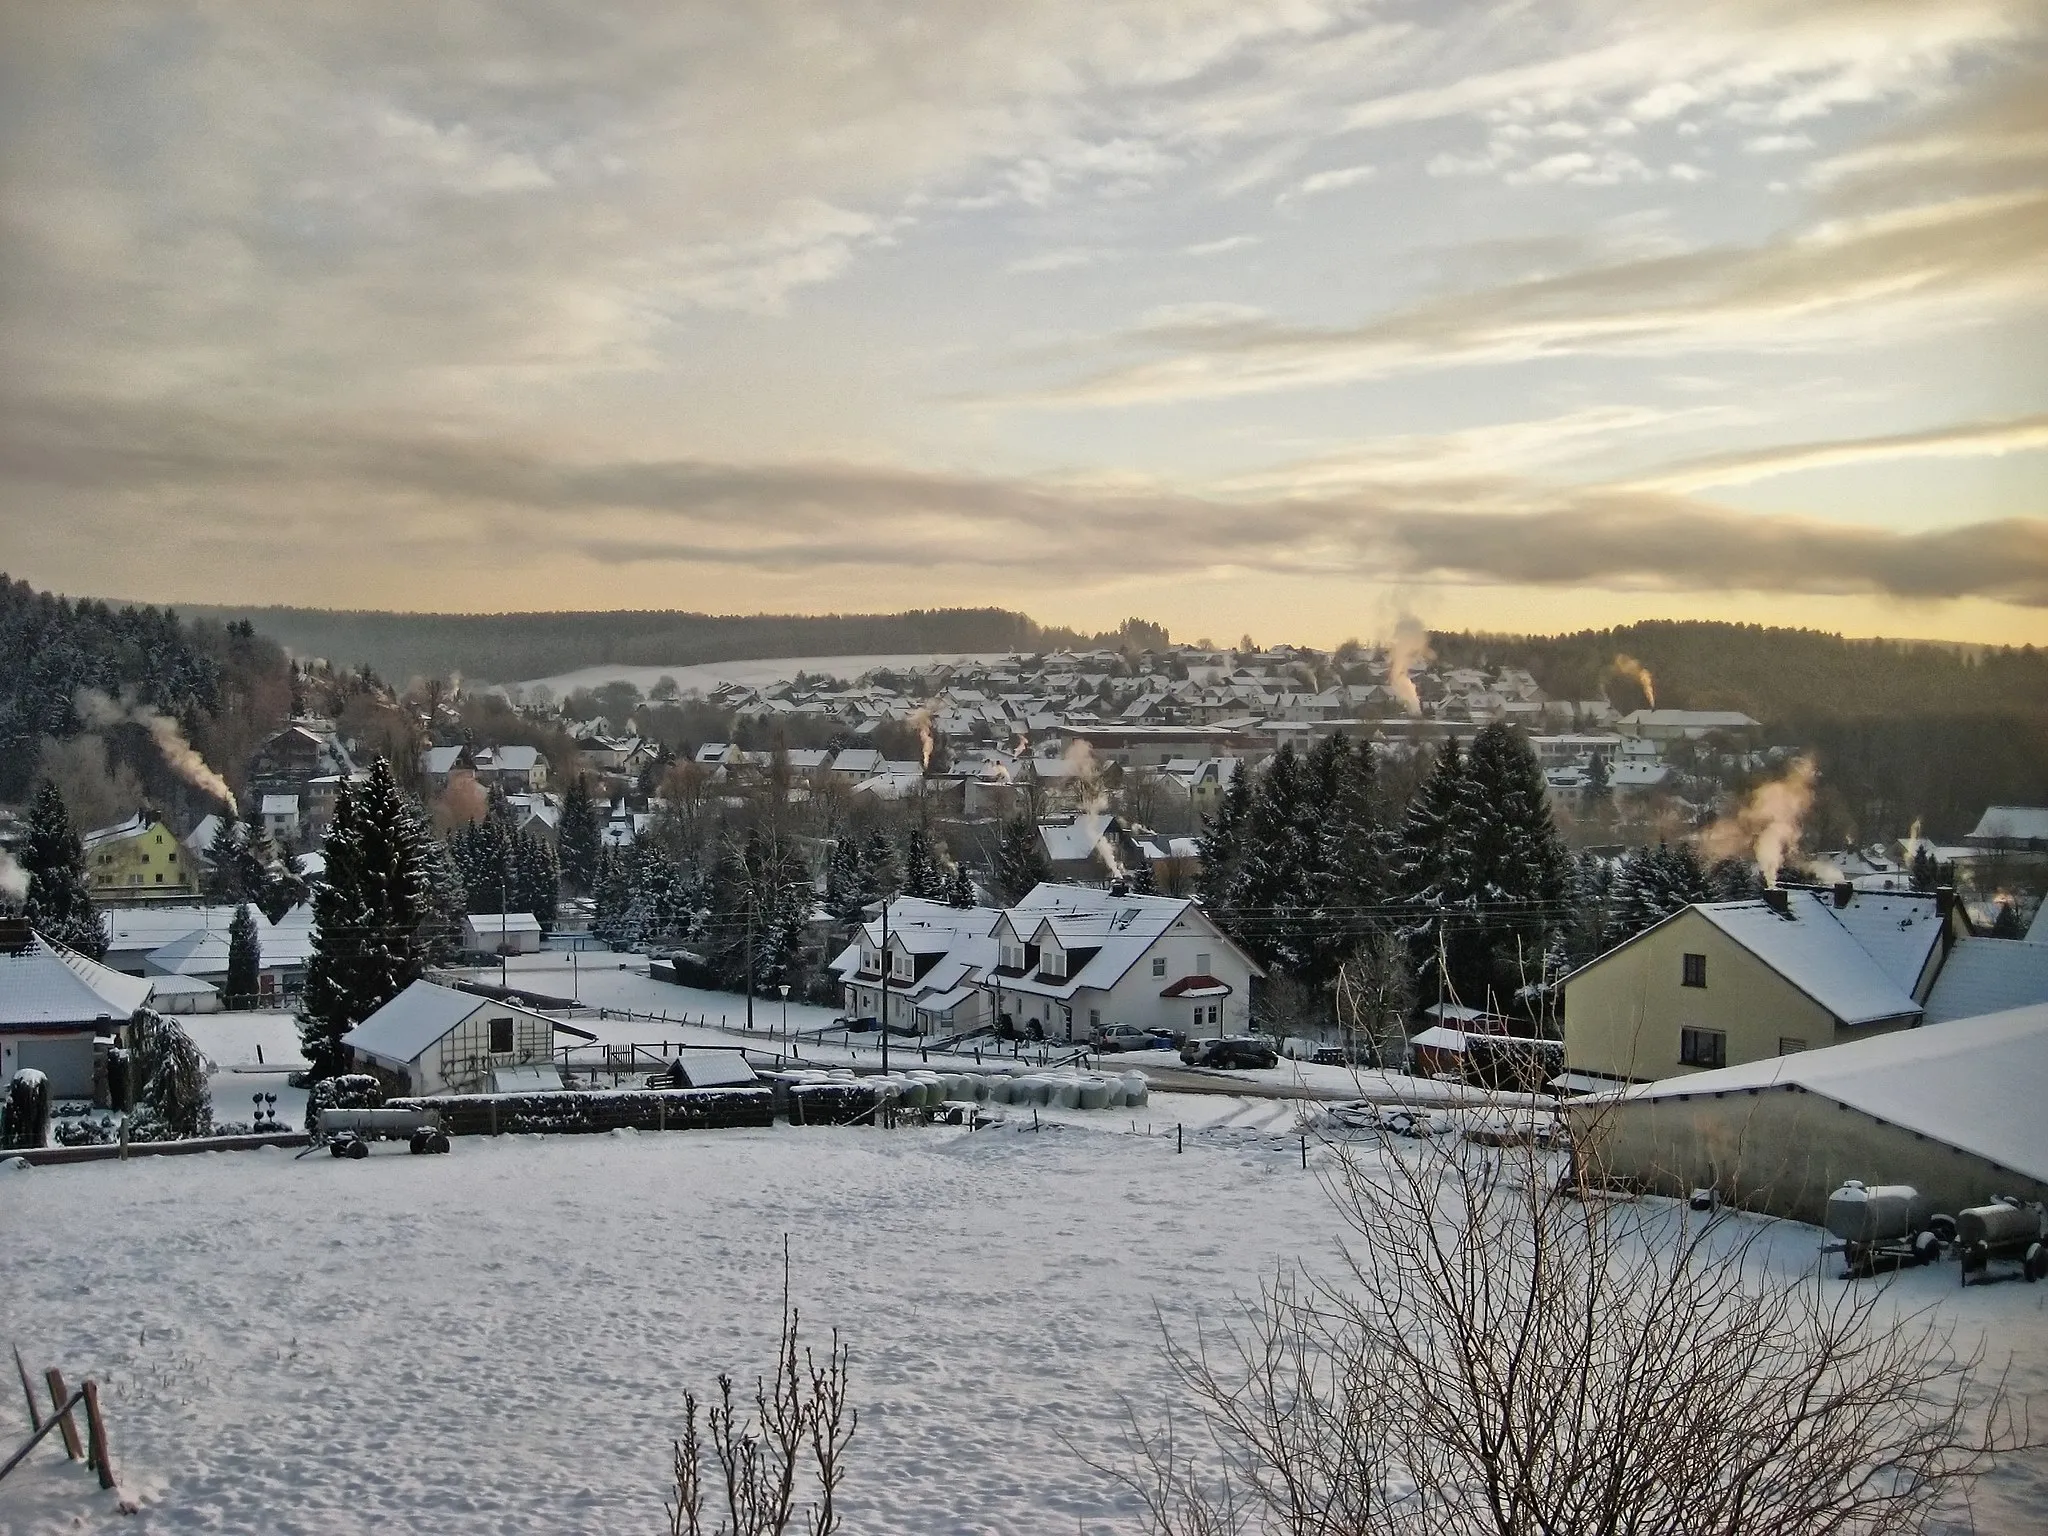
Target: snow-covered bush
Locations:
point(86, 1132)
point(173, 1101)
point(25, 1114)
point(351, 1090)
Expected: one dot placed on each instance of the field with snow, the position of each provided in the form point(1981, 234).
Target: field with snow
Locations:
point(499, 1339)
point(705, 676)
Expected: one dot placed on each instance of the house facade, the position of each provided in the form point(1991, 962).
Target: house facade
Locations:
point(435, 1039)
point(60, 1013)
point(140, 860)
point(1723, 983)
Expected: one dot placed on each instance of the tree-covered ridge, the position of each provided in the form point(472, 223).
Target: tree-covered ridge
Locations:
point(53, 648)
point(509, 647)
point(1781, 676)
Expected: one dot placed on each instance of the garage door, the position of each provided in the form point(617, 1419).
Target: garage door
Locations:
point(67, 1064)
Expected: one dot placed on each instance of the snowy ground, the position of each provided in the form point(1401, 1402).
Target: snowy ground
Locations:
point(706, 676)
point(499, 1339)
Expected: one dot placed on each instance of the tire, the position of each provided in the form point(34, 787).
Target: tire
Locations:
point(1943, 1227)
point(358, 1150)
point(440, 1142)
point(1926, 1247)
point(2037, 1263)
point(337, 1149)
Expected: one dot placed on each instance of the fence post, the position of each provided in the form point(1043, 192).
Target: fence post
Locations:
point(1179, 1145)
point(66, 1425)
point(35, 1414)
point(96, 1431)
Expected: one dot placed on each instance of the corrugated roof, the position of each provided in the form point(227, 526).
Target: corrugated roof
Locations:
point(1978, 1084)
point(1814, 952)
point(1988, 976)
point(47, 986)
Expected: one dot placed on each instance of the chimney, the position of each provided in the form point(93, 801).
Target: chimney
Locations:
point(16, 937)
point(1945, 907)
point(1778, 899)
point(1844, 893)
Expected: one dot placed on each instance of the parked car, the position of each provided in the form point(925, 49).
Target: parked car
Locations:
point(1240, 1051)
point(1124, 1037)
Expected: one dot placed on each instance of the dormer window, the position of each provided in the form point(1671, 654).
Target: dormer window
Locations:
point(899, 965)
point(1010, 956)
point(1053, 962)
point(870, 960)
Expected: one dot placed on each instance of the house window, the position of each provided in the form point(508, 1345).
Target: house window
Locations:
point(899, 966)
point(1694, 971)
point(1790, 1045)
point(1159, 965)
point(869, 960)
point(1702, 1048)
point(1053, 962)
point(501, 1037)
point(1202, 965)
point(1212, 1013)
point(1198, 1016)
point(1095, 1018)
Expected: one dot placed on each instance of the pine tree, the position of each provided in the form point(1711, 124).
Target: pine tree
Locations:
point(878, 868)
point(537, 881)
point(1653, 883)
point(581, 836)
point(245, 959)
point(1222, 843)
point(367, 917)
point(1436, 874)
point(1520, 869)
point(1021, 862)
point(59, 905)
point(960, 890)
point(842, 880)
point(922, 875)
point(1263, 905)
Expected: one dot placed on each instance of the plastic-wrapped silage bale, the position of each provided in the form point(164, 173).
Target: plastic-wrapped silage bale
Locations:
point(1066, 1093)
point(1135, 1089)
point(1092, 1093)
point(998, 1089)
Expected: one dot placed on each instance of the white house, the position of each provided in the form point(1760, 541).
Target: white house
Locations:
point(501, 933)
point(1071, 959)
point(435, 1039)
point(515, 770)
point(56, 1007)
point(280, 815)
point(937, 956)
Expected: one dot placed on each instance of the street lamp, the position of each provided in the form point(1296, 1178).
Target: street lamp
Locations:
point(783, 988)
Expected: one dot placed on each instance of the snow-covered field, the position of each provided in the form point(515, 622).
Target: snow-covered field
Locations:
point(499, 1339)
point(706, 676)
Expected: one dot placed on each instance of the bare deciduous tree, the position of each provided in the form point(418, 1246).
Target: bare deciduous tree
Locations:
point(1375, 991)
point(1506, 1351)
point(800, 1422)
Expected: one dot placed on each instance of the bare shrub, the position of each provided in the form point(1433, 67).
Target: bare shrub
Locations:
point(1507, 1351)
point(795, 1434)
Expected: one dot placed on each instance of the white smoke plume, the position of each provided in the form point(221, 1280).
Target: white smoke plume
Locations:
point(921, 722)
point(1629, 667)
point(1767, 826)
point(1094, 817)
point(100, 712)
point(13, 878)
point(1409, 647)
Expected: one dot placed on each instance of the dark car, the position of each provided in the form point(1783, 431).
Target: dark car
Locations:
point(1239, 1051)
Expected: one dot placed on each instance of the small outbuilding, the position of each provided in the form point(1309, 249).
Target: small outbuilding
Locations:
point(502, 933)
point(60, 1012)
point(1955, 1110)
point(436, 1039)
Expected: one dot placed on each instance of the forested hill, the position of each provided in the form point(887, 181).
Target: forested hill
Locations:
point(1781, 676)
point(509, 647)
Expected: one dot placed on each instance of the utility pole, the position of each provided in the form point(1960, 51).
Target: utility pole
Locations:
point(750, 941)
point(884, 968)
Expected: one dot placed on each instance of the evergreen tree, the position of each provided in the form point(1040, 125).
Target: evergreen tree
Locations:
point(581, 837)
point(245, 959)
point(1021, 862)
point(173, 1097)
point(1653, 883)
point(922, 875)
point(367, 915)
point(1733, 879)
point(1926, 873)
point(1222, 843)
point(878, 868)
point(59, 905)
point(960, 891)
point(537, 880)
point(1431, 872)
point(1521, 872)
point(612, 890)
point(843, 889)
point(1138, 878)
point(1264, 907)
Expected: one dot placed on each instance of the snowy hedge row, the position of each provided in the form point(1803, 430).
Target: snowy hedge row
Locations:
point(568, 1114)
point(831, 1103)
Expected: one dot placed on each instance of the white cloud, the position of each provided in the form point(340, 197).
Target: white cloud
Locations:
point(1332, 180)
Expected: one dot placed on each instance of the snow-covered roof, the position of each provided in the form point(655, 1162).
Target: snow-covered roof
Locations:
point(2011, 823)
point(416, 1018)
point(1813, 951)
point(1977, 1084)
point(202, 952)
point(1073, 840)
point(440, 760)
point(46, 985)
point(489, 923)
point(515, 759)
point(144, 930)
point(1691, 719)
point(1900, 929)
point(134, 826)
point(527, 1077)
point(716, 1069)
point(280, 805)
point(1118, 928)
point(1988, 976)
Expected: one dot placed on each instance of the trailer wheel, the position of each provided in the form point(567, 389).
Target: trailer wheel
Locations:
point(2037, 1262)
point(1943, 1227)
point(422, 1140)
point(440, 1142)
point(337, 1149)
point(358, 1150)
point(1926, 1247)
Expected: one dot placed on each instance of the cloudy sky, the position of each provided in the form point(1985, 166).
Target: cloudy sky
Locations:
point(1278, 316)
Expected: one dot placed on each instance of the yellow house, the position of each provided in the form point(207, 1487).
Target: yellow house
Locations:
point(139, 860)
point(1723, 983)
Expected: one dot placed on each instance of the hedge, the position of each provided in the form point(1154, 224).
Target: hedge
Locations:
point(569, 1114)
point(831, 1103)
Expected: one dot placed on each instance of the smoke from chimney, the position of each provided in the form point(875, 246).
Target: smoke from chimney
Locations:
point(1629, 667)
point(1767, 825)
point(921, 722)
point(1409, 646)
point(100, 712)
point(13, 878)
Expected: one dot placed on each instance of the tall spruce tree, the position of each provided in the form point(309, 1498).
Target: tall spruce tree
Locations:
point(245, 959)
point(59, 904)
point(923, 876)
point(960, 888)
point(1521, 873)
point(1021, 862)
point(1652, 883)
point(1222, 842)
point(367, 916)
point(580, 836)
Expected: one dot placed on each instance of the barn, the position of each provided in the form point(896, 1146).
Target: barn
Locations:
point(436, 1039)
point(1956, 1111)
